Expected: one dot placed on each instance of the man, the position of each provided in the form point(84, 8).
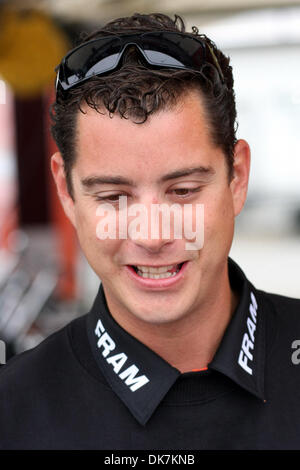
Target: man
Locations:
point(179, 350)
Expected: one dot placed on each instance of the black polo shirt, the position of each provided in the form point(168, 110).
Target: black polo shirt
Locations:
point(92, 385)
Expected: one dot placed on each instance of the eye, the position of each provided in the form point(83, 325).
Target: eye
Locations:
point(185, 192)
point(182, 191)
point(111, 198)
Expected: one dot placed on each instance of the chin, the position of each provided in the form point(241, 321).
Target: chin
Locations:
point(160, 317)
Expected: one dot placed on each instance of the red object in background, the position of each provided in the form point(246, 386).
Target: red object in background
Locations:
point(66, 235)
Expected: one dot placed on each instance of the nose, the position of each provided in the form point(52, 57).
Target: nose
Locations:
point(147, 229)
point(152, 245)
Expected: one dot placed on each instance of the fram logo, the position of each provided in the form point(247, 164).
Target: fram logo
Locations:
point(249, 337)
point(117, 361)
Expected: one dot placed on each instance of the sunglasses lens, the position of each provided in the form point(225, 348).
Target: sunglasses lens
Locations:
point(174, 50)
point(102, 55)
point(99, 56)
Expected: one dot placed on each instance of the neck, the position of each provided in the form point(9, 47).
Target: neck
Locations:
point(191, 342)
point(192, 346)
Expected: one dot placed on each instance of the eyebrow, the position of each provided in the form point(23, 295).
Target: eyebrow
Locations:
point(91, 181)
point(206, 171)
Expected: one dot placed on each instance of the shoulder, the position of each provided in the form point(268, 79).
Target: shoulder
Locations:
point(40, 391)
point(285, 307)
point(282, 313)
point(282, 320)
point(35, 367)
point(25, 367)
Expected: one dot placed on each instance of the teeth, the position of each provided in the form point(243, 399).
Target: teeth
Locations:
point(156, 276)
point(152, 270)
point(156, 273)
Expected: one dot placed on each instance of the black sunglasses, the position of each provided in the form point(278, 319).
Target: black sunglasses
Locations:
point(159, 48)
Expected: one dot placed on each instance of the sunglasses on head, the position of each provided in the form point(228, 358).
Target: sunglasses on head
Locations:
point(162, 49)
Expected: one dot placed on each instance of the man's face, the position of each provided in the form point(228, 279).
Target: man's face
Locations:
point(139, 162)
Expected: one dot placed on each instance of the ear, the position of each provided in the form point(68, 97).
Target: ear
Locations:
point(58, 172)
point(241, 170)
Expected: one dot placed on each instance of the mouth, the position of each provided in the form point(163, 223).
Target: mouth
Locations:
point(158, 277)
point(161, 272)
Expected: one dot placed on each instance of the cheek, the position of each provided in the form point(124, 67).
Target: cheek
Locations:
point(86, 224)
point(219, 220)
point(99, 252)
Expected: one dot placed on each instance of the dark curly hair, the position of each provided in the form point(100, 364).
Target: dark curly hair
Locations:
point(135, 91)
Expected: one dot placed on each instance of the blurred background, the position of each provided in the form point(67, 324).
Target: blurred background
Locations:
point(45, 280)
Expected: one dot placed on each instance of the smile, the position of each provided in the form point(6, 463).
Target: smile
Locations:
point(157, 277)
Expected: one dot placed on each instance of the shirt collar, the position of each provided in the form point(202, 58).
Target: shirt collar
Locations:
point(241, 353)
point(141, 378)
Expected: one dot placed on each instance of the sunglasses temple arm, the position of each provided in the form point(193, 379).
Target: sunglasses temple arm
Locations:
point(216, 62)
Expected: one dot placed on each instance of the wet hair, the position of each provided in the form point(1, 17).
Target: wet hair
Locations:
point(135, 91)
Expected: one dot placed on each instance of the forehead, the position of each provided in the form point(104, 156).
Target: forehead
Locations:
point(167, 138)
